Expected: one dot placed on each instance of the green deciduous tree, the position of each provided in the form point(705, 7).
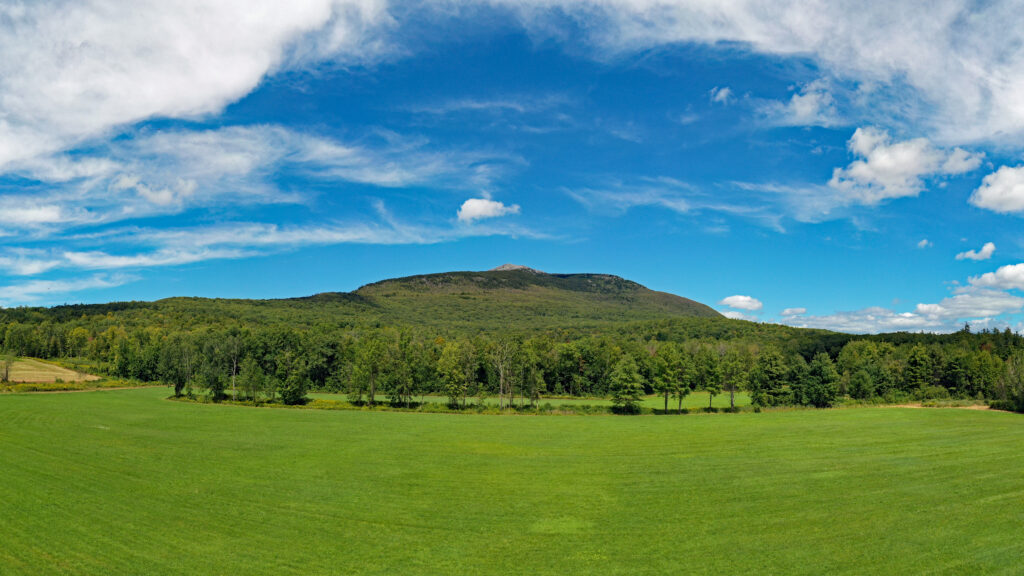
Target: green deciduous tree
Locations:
point(251, 378)
point(455, 367)
point(708, 373)
point(370, 363)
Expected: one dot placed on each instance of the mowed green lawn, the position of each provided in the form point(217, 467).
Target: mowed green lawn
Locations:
point(123, 482)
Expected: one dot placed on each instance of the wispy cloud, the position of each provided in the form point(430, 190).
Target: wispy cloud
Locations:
point(167, 172)
point(952, 69)
point(515, 103)
point(618, 196)
point(138, 249)
point(49, 291)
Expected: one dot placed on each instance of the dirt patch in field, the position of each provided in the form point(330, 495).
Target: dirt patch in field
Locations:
point(27, 371)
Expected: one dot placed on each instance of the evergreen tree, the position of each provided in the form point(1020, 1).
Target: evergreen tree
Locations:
point(918, 374)
point(626, 386)
point(768, 378)
point(820, 388)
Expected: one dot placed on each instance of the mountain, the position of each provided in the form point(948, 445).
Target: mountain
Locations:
point(517, 295)
point(508, 297)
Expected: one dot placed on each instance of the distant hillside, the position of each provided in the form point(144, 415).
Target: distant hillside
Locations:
point(519, 295)
point(509, 298)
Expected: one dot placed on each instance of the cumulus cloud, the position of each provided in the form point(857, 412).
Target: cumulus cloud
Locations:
point(794, 311)
point(1004, 278)
point(888, 169)
point(984, 254)
point(1001, 191)
point(740, 302)
point(76, 70)
point(866, 321)
point(737, 315)
point(813, 105)
point(480, 208)
point(924, 243)
point(971, 303)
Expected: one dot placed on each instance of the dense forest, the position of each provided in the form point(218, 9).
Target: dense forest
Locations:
point(576, 335)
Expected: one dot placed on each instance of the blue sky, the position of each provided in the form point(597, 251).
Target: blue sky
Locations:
point(854, 168)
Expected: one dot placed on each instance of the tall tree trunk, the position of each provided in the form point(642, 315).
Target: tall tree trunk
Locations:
point(732, 397)
point(666, 400)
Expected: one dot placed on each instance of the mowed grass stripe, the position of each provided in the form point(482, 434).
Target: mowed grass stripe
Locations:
point(123, 482)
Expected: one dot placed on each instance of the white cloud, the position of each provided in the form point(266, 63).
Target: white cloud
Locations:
point(924, 243)
point(96, 260)
point(971, 303)
point(77, 70)
point(1005, 278)
point(23, 262)
point(721, 95)
point(867, 321)
point(21, 212)
point(1001, 191)
point(955, 69)
point(984, 254)
point(519, 104)
point(167, 172)
point(890, 169)
point(148, 248)
point(620, 197)
point(739, 302)
point(47, 290)
point(813, 105)
point(737, 315)
point(794, 311)
point(481, 208)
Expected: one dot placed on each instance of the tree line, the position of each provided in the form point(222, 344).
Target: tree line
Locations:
point(395, 365)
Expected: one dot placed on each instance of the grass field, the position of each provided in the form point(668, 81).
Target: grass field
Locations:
point(31, 370)
point(123, 482)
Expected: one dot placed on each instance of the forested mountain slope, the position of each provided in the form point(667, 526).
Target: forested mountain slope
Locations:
point(502, 300)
